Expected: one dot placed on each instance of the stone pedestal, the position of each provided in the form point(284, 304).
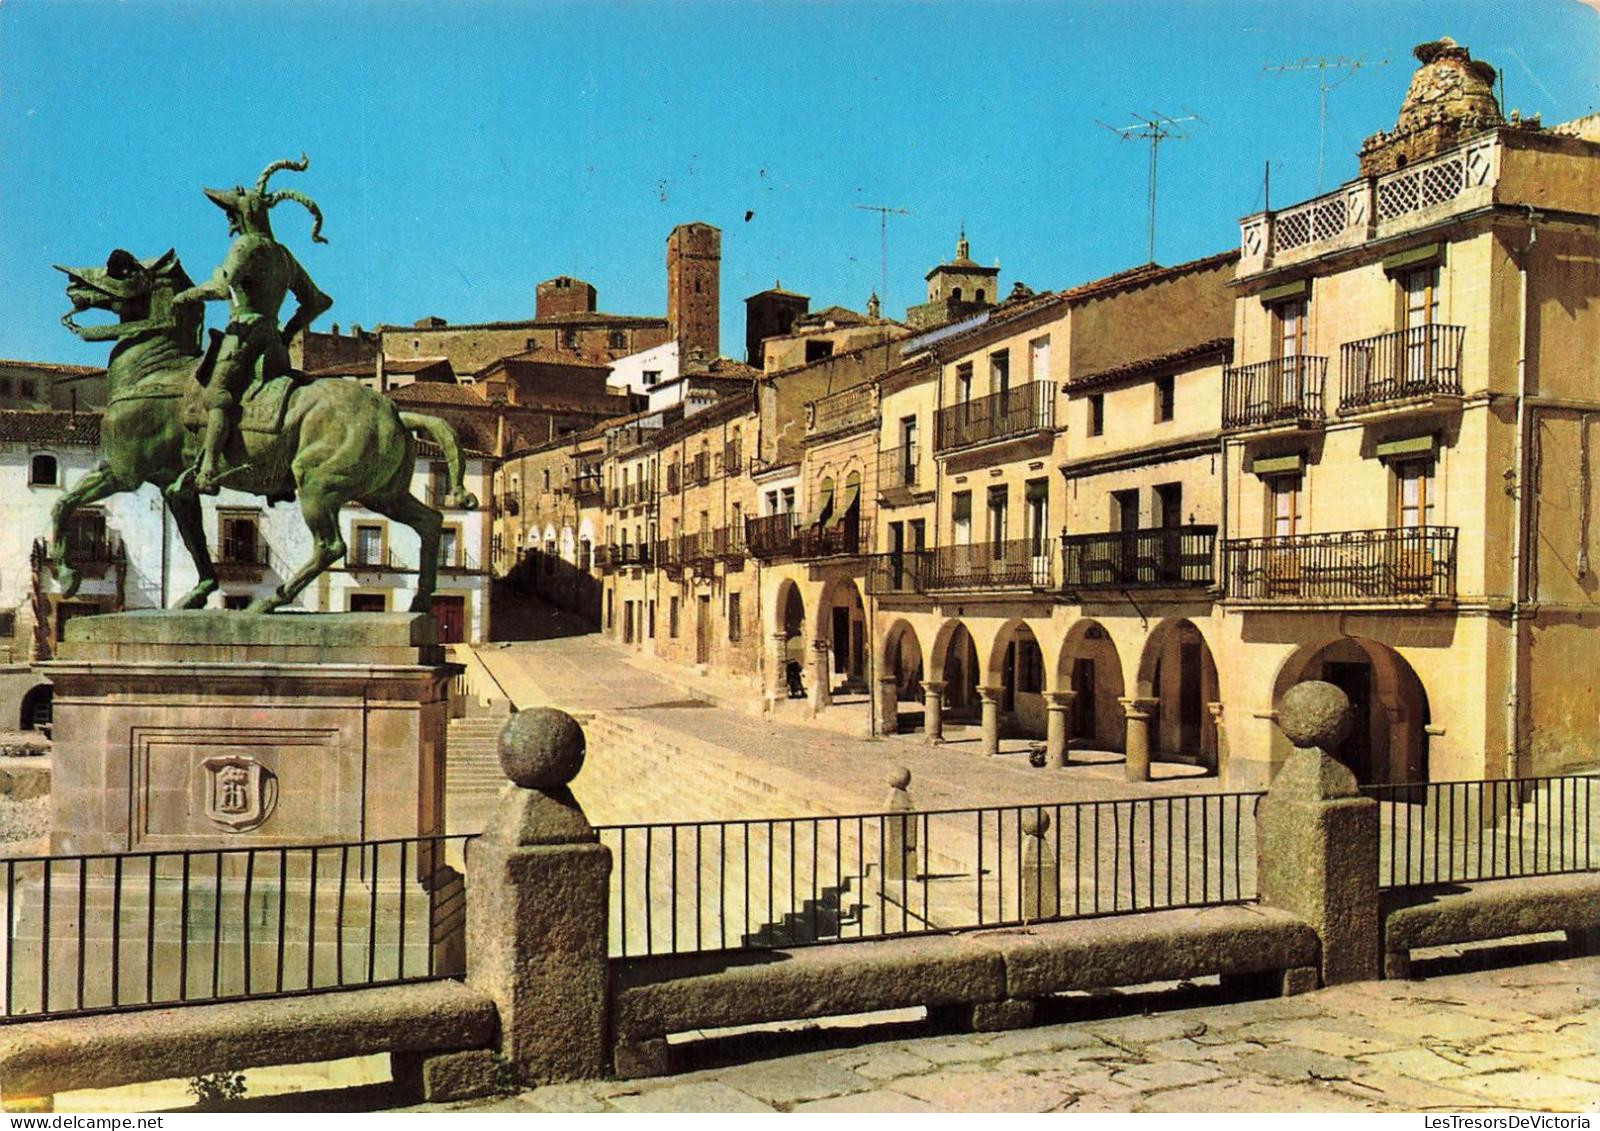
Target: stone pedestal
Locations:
point(900, 833)
point(1136, 744)
point(780, 663)
point(888, 706)
point(213, 729)
point(821, 675)
point(933, 711)
point(1317, 837)
point(990, 699)
point(1058, 713)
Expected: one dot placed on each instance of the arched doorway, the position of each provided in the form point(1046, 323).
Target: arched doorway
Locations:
point(1388, 742)
point(957, 663)
point(1178, 673)
point(1016, 666)
point(37, 705)
point(843, 624)
point(1090, 666)
point(901, 668)
point(791, 608)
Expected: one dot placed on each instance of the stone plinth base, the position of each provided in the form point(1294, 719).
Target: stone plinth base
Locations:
point(195, 730)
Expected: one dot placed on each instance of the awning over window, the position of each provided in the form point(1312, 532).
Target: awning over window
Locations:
point(1412, 447)
point(1422, 256)
point(1300, 288)
point(1290, 464)
point(847, 500)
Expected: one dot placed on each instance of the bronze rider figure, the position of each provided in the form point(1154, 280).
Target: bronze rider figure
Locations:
point(254, 278)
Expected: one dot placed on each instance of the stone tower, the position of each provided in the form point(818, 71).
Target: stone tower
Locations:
point(1450, 98)
point(956, 288)
point(767, 315)
point(694, 268)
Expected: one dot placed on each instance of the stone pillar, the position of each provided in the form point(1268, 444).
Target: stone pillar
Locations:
point(933, 711)
point(1041, 872)
point(1317, 836)
point(1058, 713)
point(900, 833)
point(990, 697)
point(780, 663)
point(1137, 740)
point(821, 674)
point(537, 918)
point(888, 706)
point(1219, 749)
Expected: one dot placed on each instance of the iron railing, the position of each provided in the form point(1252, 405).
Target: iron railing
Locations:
point(1463, 831)
point(1158, 557)
point(1397, 563)
point(111, 932)
point(699, 550)
point(783, 882)
point(728, 542)
point(1284, 390)
point(898, 469)
point(373, 561)
point(1020, 564)
point(901, 572)
point(1000, 416)
point(840, 536)
point(772, 535)
point(588, 488)
point(631, 554)
point(1421, 361)
point(460, 562)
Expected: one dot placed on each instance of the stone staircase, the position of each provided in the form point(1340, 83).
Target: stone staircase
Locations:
point(472, 772)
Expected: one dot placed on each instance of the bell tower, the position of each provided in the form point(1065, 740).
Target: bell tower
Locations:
point(694, 269)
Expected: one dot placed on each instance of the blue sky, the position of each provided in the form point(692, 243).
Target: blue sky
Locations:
point(463, 151)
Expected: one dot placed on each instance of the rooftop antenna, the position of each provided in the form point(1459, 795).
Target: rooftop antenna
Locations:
point(1322, 64)
point(1155, 129)
point(884, 211)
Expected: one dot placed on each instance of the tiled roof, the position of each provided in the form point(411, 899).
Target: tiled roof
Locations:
point(541, 356)
point(412, 364)
point(439, 392)
point(54, 367)
point(40, 426)
point(1216, 346)
point(349, 369)
point(429, 450)
point(595, 316)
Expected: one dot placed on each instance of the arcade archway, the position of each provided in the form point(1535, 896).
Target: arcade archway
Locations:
point(1389, 741)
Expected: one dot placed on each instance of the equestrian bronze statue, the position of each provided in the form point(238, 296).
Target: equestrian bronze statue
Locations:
point(237, 415)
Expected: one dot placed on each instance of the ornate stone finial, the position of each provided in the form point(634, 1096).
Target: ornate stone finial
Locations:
point(1035, 822)
point(962, 247)
point(873, 306)
point(1315, 715)
point(542, 748)
point(899, 777)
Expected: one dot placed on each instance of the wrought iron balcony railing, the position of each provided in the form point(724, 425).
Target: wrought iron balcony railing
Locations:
point(1421, 361)
point(728, 542)
point(699, 550)
point(1284, 390)
point(632, 554)
point(373, 560)
point(1399, 563)
point(1025, 563)
point(1154, 558)
point(899, 470)
point(1000, 416)
point(900, 572)
point(772, 535)
point(588, 488)
point(458, 563)
point(838, 537)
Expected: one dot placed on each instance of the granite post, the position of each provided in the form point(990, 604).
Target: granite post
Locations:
point(990, 698)
point(821, 675)
point(1136, 744)
point(1317, 837)
point(888, 706)
point(1058, 707)
point(1041, 873)
point(933, 711)
point(536, 921)
point(899, 833)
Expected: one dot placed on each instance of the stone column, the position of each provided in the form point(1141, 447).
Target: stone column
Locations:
point(933, 711)
point(537, 918)
point(1041, 873)
point(1317, 836)
point(1136, 744)
point(990, 697)
point(1058, 713)
point(899, 833)
point(888, 706)
point(1219, 748)
point(821, 674)
point(780, 676)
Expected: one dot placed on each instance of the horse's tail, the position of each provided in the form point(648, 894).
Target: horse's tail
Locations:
point(440, 432)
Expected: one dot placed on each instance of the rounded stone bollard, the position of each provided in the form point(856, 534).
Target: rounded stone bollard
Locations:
point(1041, 874)
point(899, 833)
point(1315, 714)
point(542, 748)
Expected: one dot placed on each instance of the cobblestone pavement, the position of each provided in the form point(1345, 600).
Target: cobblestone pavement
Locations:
point(1514, 1038)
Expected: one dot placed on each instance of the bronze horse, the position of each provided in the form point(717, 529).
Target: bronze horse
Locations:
point(333, 441)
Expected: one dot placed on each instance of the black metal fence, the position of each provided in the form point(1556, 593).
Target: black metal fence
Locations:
point(898, 469)
point(1420, 361)
point(1156, 557)
point(897, 572)
point(100, 933)
point(1463, 831)
point(782, 882)
point(1024, 563)
point(1013, 412)
point(1282, 390)
point(1346, 565)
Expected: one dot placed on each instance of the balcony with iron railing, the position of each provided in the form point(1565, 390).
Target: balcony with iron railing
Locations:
point(1285, 391)
point(898, 573)
point(242, 559)
point(839, 536)
point(842, 411)
point(458, 563)
point(697, 471)
point(632, 554)
point(1407, 365)
point(1025, 564)
point(727, 543)
point(1020, 411)
point(588, 489)
point(510, 504)
point(772, 536)
point(899, 473)
point(91, 551)
point(1397, 564)
point(1165, 557)
point(699, 550)
point(373, 560)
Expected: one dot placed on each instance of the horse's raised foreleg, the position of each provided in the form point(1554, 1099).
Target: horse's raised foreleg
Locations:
point(322, 519)
point(185, 508)
point(97, 485)
point(428, 523)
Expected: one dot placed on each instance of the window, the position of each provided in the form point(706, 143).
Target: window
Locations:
point(5, 386)
point(1000, 371)
point(85, 535)
point(1166, 395)
point(369, 602)
point(1168, 504)
point(672, 618)
point(569, 337)
point(961, 517)
point(1097, 414)
point(42, 470)
point(917, 531)
point(617, 340)
point(977, 295)
point(817, 350)
point(964, 382)
point(788, 500)
point(1125, 509)
point(450, 544)
point(1283, 515)
point(1039, 359)
point(735, 619)
point(999, 504)
point(955, 294)
point(1413, 481)
point(236, 601)
point(547, 479)
point(1420, 293)
point(369, 544)
point(241, 538)
point(1289, 321)
point(1037, 495)
point(585, 554)
point(651, 377)
point(27, 388)
point(772, 502)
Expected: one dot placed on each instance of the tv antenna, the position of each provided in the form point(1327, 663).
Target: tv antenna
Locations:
point(884, 211)
point(1322, 64)
point(1155, 129)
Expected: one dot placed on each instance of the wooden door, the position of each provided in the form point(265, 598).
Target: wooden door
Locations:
point(702, 635)
point(451, 613)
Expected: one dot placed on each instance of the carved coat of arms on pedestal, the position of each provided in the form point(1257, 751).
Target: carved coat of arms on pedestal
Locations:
point(240, 792)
